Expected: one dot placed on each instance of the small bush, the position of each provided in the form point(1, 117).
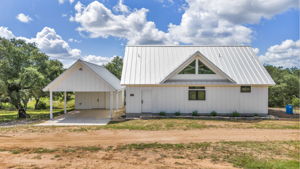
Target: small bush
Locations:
point(195, 113)
point(41, 106)
point(162, 113)
point(296, 102)
point(235, 114)
point(213, 113)
point(177, 113)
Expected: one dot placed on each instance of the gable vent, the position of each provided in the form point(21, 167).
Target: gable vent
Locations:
point(80, 69)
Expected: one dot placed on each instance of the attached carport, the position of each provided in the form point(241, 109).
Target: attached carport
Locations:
point(94, 86)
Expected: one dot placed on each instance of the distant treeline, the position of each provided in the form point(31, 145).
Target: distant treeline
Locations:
point(286, 90)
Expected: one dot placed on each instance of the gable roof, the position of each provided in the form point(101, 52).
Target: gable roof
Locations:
point(100, 71)
point(155, 64)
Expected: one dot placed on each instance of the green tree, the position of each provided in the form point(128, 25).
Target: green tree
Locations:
point(24, 71)
point(50, 70)
point(286, 90)
point(115, 66)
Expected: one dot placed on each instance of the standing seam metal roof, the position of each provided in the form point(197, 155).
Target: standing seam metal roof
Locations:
point(151, 64)
point(104, 74)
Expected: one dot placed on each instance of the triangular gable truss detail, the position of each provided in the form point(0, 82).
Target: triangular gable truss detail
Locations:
point(204, 60)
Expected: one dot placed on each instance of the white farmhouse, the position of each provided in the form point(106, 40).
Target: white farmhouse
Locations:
point(184, 79)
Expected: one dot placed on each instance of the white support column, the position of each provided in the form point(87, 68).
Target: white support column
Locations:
point(111, 104)
point(51, 105)
point(65, 102)
point(117, 100)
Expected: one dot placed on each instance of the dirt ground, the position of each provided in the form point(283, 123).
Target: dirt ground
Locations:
point(64, 147)
point(115, 137)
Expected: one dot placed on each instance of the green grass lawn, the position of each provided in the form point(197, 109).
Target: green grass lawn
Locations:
point(12, 115)
point(9, 113)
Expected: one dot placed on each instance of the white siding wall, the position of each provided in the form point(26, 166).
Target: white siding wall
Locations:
point(81, 80)
point(220, 99)
point(89, 100)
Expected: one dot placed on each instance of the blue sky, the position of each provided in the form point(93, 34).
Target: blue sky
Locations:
point(96, 31)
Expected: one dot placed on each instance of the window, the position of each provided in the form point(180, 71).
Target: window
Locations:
point(202, 69)
point(245, 89)
point(190, 69)
point(196, 67)
point(197, 93)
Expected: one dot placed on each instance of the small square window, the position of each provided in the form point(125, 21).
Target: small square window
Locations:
point(197, 93)
point(131, 94)
point(245, 89)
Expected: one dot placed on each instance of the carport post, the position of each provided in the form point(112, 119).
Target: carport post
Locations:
point(117, 100)
point(65, 102)
point(51, 105)
point(111, 104)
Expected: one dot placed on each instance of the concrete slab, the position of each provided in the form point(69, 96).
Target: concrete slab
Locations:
point(93, 117)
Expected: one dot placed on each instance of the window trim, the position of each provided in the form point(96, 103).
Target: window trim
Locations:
point(196, 89)
point(241, 89)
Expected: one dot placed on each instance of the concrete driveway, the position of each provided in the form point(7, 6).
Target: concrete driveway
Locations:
point(80, 117)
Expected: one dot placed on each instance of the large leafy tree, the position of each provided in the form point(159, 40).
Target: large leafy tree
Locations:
point(286, 90)
point(115, 66)
point(24, 71)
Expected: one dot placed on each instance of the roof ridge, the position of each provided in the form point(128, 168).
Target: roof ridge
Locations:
point(91, 63)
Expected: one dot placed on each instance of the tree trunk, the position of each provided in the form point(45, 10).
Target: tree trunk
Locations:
point(37, 100)
point(22, 113)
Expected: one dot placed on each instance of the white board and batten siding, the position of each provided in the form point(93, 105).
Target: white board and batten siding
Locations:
point(80, 78)
point(173, 99)
point(153, 81)
point(97, 100)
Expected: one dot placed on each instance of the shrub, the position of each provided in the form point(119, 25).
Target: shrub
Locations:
point(213, 113)
point(177, 113)
point(296, 102)
point(195, 113)
point(162, 113)
point(235, 114)
point(41, 105)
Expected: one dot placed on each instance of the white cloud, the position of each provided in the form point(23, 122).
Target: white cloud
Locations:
point(285, 54)
point(6, 33)
point(48, 41)
point(99, 60)
point(23, 18)
point(98, 21)
point(203, 21)
point(120, 7)
point(74, 40)
point(63, 1)
point(53, 44)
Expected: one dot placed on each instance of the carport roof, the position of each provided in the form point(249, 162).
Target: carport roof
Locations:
point(100, 71)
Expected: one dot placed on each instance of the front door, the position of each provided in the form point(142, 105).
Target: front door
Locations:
point(146, 101)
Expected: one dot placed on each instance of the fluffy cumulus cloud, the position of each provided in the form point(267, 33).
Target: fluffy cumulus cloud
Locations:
point(23, 18)
point(285, 54)
point(98, 21)
point(120, 7)
point(222, 22)
point(48, 41)
point(100, 60)
point(6, 33)
point(53, 45)
point(203, 21)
